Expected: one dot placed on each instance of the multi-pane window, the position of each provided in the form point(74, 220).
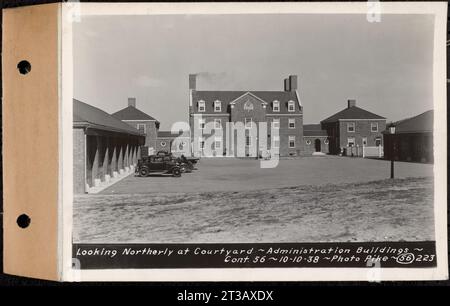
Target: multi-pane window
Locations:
point(201, 106)
point(141, 127)
point(292, 123)
point(291, 141)
point(291, 106)
point(378, 141)
point(217, 124)
point(276, 141)
point(217, 143)
point(201, 143)
point(351, 141)
point(217, 106)
point(248, 123)
point(248, 141)
point(201, 123)
point(350, 127)
point(276, 123)
point(276, 106)
point(374, 126)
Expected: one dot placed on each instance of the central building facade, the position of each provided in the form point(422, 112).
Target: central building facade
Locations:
point(246, 123)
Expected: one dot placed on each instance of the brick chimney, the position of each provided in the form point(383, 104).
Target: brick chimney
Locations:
point(132, 102)
point(286, 85)
point(292, 82)
point(351, 103)
point(193, 81)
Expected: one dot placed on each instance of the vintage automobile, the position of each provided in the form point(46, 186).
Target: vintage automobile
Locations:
point(193, 160)
point(186, 163)
point(156, 164)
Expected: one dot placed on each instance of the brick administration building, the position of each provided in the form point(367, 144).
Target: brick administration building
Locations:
point(281, 110)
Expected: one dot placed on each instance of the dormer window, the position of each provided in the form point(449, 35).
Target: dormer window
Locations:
point(291, 106)
point(201, 106)
point(276, 106)
point(217, 106)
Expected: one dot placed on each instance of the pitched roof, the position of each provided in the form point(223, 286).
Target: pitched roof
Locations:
point(85, 115)
point(168, 134)
point(418, 124)
point(228, 96)
point(353, 112)
point(313, 130)
point(132, 113)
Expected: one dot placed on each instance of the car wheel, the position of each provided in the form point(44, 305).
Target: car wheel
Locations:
point(176, 172)
point(143, 172)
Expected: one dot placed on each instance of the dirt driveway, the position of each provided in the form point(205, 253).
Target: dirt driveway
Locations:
point(225, 174)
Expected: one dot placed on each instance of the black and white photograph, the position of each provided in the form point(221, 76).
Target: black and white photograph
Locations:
point(258, 138)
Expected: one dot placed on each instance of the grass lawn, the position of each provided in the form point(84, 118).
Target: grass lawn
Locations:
point(379, 210)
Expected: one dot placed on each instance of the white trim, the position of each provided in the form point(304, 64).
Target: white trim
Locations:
point(359, 120)
point(248, 93)
point(215, 125)
point(354, 127)
point(289, 123)
point(275, 138)
point(291, 102)
point(200, 140)
point(220, 106)
point(348, 141)
point(298, 99)
point(200, 122)
point(211, 115)
point(378, 126)
point(250, 143)
point(291, 138)
point(273, 106)
point(251, 123)
point(278, 121)
point(145, 127)
point(290, 115)
point(218, 139)
point(198, 106)
point(147, 120)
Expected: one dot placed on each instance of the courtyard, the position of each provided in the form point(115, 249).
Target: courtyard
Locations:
point(234, 200)
point(233, 174)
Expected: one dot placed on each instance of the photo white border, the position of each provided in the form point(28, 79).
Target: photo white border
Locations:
point(438, 9)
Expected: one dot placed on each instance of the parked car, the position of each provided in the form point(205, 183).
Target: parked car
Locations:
point(187, 163)
point(156, 164)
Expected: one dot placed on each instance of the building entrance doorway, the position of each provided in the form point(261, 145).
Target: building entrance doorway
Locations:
point(317, 145)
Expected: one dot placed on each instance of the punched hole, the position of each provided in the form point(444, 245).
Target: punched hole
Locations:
point(24, 67)
point(23, 221)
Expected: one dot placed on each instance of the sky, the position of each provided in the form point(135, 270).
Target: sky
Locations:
point(386, 66)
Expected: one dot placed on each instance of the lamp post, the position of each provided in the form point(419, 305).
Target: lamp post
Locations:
point(392, 132)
